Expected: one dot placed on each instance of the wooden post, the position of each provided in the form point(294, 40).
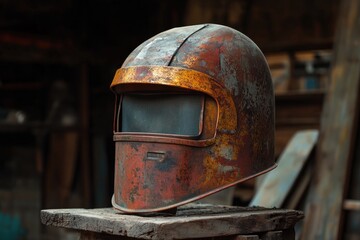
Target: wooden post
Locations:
point(277, 184)
point(324, 209)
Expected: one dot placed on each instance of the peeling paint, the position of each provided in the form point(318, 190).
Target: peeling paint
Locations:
point(225, 169)
point(227, 152)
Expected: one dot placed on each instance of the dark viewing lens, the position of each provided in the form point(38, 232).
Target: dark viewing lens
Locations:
point(179, 114)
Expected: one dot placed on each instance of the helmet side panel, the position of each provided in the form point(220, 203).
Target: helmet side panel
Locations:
point(236, 63)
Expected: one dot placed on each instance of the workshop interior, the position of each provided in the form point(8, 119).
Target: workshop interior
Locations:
point(83, 82)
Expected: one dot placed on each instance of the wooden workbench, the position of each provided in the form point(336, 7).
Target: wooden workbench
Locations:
point(200, 221)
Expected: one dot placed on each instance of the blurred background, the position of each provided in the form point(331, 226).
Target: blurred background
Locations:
point(58, 58)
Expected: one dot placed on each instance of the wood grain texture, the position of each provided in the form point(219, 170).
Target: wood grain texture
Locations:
point(278, 183)
point(193, 221)
point(324, 212)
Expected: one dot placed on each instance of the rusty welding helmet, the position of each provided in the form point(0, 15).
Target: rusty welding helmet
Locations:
point(194, 115)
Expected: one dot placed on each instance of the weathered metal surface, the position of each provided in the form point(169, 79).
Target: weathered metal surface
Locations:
point(277, 184)
point(183, 79)
point(194, 221)
point(237, 141)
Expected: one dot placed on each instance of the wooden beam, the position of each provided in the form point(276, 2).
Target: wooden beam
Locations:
point(277, 184)
point(324, 208)
point(191, 221)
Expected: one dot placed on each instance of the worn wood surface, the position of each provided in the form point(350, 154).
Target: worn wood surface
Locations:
point(277, 184)
point(272, 235)
point(297, 194)
point(190, 221)
point(324, 210)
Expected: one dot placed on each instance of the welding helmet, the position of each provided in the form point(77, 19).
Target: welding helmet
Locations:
point(194, 114)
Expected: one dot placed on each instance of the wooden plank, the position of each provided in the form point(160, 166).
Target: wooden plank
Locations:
point(353, 205)
point(277, 184)
point(190, 221)
point(102, 236)
point(324, 208)
point(283, 135)
point(298, 192)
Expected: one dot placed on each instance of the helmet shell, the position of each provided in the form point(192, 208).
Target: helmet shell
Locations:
point(157, 172)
